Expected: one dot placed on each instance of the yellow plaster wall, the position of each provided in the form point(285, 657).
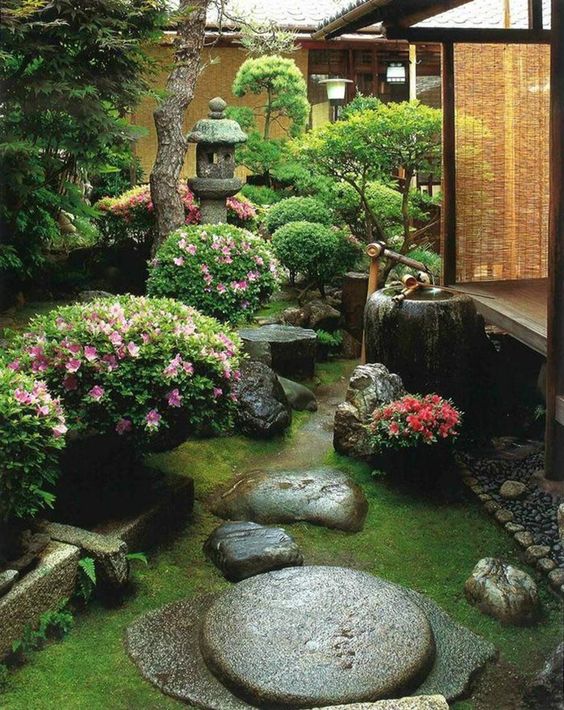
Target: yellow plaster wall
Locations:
point(220, 66)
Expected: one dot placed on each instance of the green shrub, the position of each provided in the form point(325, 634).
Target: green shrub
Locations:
point(32, 428)
point(133, 365)
point(359, 104)
point(426, 256)
point(261, 194)
point(223, 271)
point(296, 209)
point(318, 252)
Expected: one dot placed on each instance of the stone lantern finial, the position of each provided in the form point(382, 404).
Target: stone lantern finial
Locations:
point(216, 138)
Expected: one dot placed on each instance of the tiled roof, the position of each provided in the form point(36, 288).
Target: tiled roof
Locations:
point(483, 14)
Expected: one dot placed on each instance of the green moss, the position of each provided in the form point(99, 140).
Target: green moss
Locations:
point(431, 548)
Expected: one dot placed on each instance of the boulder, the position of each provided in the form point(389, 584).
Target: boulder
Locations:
point(560, 520)
point(414, 702)
point(108, 552)
point(295, 316)
point(301, 398)
point(316, 314)
point(547, 689)
point(7, 580)
point(370, 387)
point(511, 490)
point(502, 591)
point(292, 349)
point(244, 549)
point(263, 409)
point(323, 496)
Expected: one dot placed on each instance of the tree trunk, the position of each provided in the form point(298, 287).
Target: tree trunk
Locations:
point(169, 119)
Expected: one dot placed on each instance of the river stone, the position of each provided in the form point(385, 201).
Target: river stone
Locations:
point(513, 490)
point(316, 636)
point(243, 549)
point(7, 580)
point(560, 521)
point(370, 387)
point(324, 496)
point(263, 410)
point(414, 702)
point(292, 349)
point(301, 398)
point(502, 591)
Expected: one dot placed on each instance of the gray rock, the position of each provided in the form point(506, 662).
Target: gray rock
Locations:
point(244, 549)
point(295, 316)
point(535, 552)
point(316, 636)
point(258, 351)
point(88, 296)
point(513, 490)
point(322, 316)
point(7, 580)
point(301, 398)
point(524, 538)
point(546, 565)
point(370, 387)
point(292, 349)
point(502, 591)
point(416, 702)
point(108, 552)
point(560, 520)
point(503, 516)
point(556, 577)
point(323, 496)
point(263, 409)
point(514, 528)
point(547, 689)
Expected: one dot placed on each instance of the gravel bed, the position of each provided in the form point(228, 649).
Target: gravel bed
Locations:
point(537, 510)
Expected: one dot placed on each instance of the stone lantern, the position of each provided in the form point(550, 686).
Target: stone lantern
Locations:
point(215, 138)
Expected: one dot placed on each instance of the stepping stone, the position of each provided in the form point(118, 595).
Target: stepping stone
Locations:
point(292, 350)
point(323, 496)
point(308, 637)
point(316, 636)
point(244, 549)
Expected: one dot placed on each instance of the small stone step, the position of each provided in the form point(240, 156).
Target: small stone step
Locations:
point(244, 549)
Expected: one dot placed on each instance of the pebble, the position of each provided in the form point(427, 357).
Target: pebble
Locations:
point(525, 539)
point(556, 577)
point(535, 552)
point(512, 490)
point(513, 528)
point(545, 564)
point(491, 506)
point(503, 515)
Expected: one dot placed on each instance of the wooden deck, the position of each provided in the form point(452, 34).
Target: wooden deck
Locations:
point(518, 307)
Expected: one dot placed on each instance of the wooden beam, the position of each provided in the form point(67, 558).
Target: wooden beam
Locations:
point(535, 15)
point(448, 189)
point(554, 463)
point(468, 36)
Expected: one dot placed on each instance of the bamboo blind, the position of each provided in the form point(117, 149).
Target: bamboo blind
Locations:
point(502, 157)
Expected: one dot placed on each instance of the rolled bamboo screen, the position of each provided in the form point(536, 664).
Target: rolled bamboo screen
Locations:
point(502, 155)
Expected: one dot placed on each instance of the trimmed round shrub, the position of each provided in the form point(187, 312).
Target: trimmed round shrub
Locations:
point(296, 209)
point(261, 194)
point(223, 271)
point(318, 252)
point(32, 429)
point(135, 366)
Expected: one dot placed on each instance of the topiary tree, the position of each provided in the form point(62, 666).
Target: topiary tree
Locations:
point(296, 209)
point(223, 271)
point(284, 90)
point(315, 250)
point(370, 146)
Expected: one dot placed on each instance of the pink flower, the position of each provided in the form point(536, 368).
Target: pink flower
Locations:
point(123, 425)
point(96, 393)
point(14, 365)
point(43, 410)
point(394, 429)
point(110, 361)
point(152, 419)
point(59, 430)
point(174, 398)
point(73, 365)
point(35, 352)
point(22, 396)
point(90, 353)
point(217, 392)
point(179, 260)
point(221, 288)
point(39, 365)
point(191, 249)
point(75, 349)
point(115, 338)
point(188, 368)
point(70, 382)
point(133, 349)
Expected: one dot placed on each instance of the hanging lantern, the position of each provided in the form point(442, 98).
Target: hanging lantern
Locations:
point(396, 73)
point(336, 88)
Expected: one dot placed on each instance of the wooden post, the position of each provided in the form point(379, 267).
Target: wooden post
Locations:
point(412, 72)
point(448, 241)
point(373, 251)
point(554, 462)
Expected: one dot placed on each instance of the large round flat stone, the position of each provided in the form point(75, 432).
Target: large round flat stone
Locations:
point(290, 350)
point(316, 636)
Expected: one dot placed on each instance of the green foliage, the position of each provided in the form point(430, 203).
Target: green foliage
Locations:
point(426, 256)
point(223, 271)
point(86, 235)
point(262, 39)
point(317, 251)
point(360, 104)
point(114, 177)
point(57, 623)
point(4, 677)
point(260, 195)
point(69, 73)
point(331, 340)
point(137, 366)
point(297, 209)
point(86, 579)
point(32, 428)
point(138, 557)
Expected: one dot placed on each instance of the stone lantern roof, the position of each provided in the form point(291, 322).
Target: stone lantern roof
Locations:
point(217, 130)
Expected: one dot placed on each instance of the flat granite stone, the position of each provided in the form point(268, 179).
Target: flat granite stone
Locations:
point(316, 636)
point(165, 644)
point(323, 496)
point(292, 349)
point(420, 702)
point(243, 549)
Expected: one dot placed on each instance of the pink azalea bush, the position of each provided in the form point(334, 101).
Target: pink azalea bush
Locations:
point(131, 215)
point(32, 432)
point(413, 420)
point(223, 271)
point(134, 366)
